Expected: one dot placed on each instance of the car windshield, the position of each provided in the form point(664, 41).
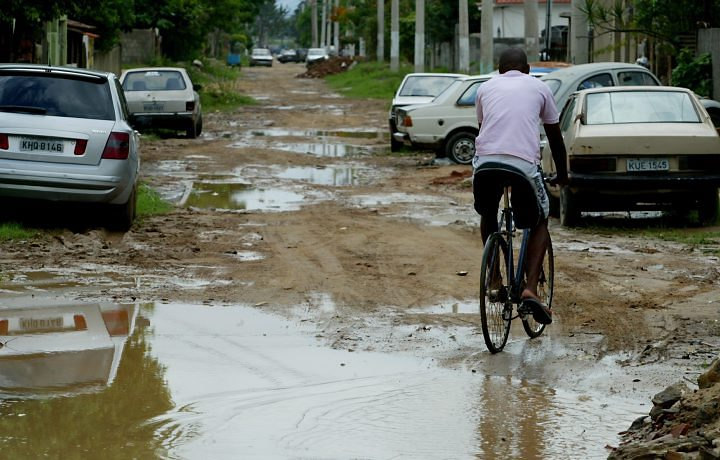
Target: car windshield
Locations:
point(316, 52)
point(154, 80)
point(427, 85)
point(640, 107)
point(261, 52)
point(56, 95)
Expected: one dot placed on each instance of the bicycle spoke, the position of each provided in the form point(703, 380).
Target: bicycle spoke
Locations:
point(495, 306)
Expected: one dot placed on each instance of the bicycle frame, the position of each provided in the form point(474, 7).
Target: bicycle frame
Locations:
point(514, 275)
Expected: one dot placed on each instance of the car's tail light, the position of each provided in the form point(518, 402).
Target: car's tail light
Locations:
point(407, 121)
point(117, 147)
point(80, 323)
point(190, 106)
point(4, 142)
point(117, 322)
point(4, 327)
point(80, 146)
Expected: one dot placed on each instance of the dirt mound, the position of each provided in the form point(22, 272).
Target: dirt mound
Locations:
point(329, 67)
point(681, 424)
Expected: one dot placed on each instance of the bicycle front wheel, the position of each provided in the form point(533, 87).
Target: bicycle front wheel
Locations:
point(545, 292)
point(495, 303)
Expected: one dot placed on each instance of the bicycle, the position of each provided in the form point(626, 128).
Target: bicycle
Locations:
point(502, 282)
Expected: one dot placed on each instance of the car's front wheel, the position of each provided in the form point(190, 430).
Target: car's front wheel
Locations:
point(569, 208)
point(460, 148)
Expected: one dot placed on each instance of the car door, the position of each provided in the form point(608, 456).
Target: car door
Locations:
point(463, 114)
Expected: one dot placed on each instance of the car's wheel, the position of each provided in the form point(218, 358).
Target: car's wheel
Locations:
point(708, 210)
point(460, 148)
point(199, 126)
point(191, 130)
point(121, 216)
point(395, 146)
point(569, 209)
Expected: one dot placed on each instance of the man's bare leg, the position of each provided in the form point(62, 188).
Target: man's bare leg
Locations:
point(537, 246)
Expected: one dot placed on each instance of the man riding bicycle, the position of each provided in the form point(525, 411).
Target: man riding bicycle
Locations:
point(508, 108)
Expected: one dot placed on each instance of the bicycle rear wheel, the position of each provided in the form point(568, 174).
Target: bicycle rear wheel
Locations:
point(545, 292)
point(495, 303)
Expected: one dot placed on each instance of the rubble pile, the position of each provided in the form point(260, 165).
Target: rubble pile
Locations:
point(328, 67)
point(683, 424)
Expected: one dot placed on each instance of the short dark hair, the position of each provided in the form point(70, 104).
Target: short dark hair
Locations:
point(513, 59)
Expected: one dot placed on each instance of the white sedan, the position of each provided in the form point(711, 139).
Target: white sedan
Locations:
point(448, 124)
point(637, 147)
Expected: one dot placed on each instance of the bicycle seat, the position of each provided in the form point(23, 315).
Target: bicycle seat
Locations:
point(492, 177)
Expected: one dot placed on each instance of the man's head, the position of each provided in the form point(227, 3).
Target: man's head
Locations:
point(514, 59)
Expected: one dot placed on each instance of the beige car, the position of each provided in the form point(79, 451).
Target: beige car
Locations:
point(163, 97)
point(637, 147)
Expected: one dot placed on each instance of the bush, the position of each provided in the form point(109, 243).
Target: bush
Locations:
point(694, 73)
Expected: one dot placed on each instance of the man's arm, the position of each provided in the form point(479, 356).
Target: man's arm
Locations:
point(557, 146)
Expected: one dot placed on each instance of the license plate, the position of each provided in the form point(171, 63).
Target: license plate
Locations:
point(42, 324)
point(647, 164)
point(153, 107)
point(29, 144)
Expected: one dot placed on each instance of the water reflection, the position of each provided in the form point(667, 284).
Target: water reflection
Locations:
point(79, 382)
point(242, 196)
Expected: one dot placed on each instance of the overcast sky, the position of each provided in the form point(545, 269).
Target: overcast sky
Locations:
point(289, 4)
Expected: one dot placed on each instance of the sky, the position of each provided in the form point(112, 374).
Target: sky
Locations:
point(289, 4)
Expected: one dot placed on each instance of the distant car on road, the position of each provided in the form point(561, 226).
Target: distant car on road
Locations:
point(417, 88)
point(637, 147)
point(288, 56)
point(163, 97)
point(261, 56)
point(448, 124)
point(66, 136)
point(315, 55)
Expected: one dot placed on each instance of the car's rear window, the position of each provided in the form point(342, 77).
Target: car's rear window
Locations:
point(154, 80)
point(553, 84)
point(640, 107)
point(425, 85)
point(56, 95)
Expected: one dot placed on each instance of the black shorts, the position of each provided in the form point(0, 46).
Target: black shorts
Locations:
point(489, 181)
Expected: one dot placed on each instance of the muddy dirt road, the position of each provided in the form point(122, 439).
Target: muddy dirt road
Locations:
point(312, 296)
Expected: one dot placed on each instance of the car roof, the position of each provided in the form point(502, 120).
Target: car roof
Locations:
point(477, 77)
point(435, 74)
point(576, 71)
point(617, 89)
point(150, 69)
point(58, 69)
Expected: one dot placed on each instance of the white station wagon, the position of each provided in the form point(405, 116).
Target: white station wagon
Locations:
point(634, 148)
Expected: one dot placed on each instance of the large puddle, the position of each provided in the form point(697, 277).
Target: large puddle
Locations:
point(196, 382)
point(242, 197)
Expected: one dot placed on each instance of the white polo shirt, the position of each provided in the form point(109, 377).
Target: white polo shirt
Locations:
point(508, 107)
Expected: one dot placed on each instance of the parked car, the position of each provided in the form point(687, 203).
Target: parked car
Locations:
point(65, 136)
point(288, 56)
point(315, 55)
point(163, 97)
point(417, 88)
point(261, 56)
point(564, 82)
point(637, 147)
point(447, 125)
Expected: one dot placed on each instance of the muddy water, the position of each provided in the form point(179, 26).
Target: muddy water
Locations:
point(187, 381)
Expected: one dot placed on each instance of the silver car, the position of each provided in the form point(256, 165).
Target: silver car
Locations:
point(65, 136)
point(163, 97)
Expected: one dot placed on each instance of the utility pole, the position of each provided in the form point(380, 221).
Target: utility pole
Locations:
point(314, 23)
point(548, 29)
point(531, 30)
point(579, 34)
point(486, 37)
point(395, 36)
point(419, 35)
point(323, 29)
point(464, 41)
point(381, 30)
point(336, 28)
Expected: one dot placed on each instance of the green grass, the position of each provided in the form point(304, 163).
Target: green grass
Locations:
point(149, 202)
point(219, 86)
point(11, 231)
point(368, 80)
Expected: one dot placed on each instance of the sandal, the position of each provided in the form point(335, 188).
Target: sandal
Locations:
point(541, 313)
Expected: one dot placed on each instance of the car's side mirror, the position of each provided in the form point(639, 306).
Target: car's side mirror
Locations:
point(580, 117)
point(197, 87)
